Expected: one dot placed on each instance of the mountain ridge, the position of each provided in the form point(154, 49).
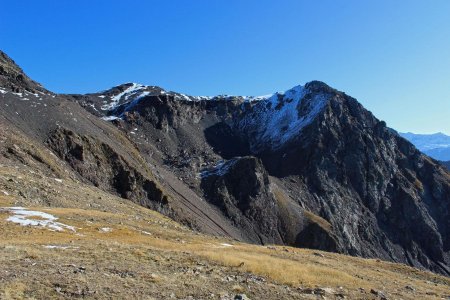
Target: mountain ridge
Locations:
point(138, 111)
point(310, 167)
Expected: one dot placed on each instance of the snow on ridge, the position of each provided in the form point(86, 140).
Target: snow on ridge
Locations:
point(184, 97)
point(276, 120)
point(256, 98)
point(201, 98)
point(133, 90)
point(128, 107)
point(136, 89)
point(270, 122)
point(135, 102)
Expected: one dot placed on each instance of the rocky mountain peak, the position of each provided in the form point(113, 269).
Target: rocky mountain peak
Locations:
point(14, 79)
point(308, 167)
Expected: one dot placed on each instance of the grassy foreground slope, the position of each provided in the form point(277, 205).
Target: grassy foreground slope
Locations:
point(121, 250)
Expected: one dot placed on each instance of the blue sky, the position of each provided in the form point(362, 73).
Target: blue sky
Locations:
point(393, 56)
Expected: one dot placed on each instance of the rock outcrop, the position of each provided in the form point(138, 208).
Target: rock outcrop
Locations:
point(101, 165)
point(13, 78)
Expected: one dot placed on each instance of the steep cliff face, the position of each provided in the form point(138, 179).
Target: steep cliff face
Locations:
point(241, 189)
point(382, 197)
point(244, 191)
point(101, 165)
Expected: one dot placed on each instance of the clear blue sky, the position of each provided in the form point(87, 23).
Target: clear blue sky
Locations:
point(393, 56)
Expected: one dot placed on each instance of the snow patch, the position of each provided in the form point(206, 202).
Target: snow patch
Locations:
point(256, 98)
point(131, 91)
point(25, 217)
point(201, 98)
point(110, 118)
point(134, 102)
point(59, 247)
point(276, 120)
point(93, 106)
point(184, 97)
point(220, 169)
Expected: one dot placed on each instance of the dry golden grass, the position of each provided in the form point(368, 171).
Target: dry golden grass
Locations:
point(418, 184)
point(294, 267)
point(141, 239)
point(14, 290)
point(284, 270)
point(30, 153)
point(318, 220)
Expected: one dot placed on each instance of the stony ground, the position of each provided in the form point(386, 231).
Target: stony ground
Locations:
point(121, 250)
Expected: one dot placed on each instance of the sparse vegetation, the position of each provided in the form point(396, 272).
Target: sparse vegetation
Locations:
point(324, 224)
point(147, 255)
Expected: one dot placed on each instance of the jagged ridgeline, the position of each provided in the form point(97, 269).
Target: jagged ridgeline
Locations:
point(308, 167)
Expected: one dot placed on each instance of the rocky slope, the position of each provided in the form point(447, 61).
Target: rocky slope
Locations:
point(13, 78)
point(307, 163)
point(447, 164)
point(309, 167)
point(106, 247)
point(56, 135)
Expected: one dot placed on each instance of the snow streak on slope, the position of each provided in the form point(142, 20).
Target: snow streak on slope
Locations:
point(220, 169)
point(272, 122)
point(134, 90)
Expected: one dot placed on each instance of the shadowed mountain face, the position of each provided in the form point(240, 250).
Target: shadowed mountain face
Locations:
point(13, 78)
point(309, 167)
point(447, 164)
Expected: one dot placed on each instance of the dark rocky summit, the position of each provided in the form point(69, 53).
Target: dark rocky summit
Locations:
point(13, 78)
point(310, 167)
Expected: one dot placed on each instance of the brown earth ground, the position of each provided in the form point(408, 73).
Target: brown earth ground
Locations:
point(123, 251)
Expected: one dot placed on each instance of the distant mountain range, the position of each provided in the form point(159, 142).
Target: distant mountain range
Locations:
point(436, 145)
